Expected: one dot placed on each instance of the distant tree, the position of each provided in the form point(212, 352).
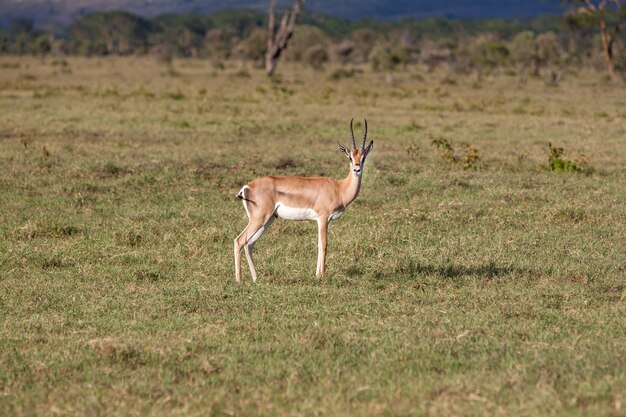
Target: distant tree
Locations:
point(20, 45)
point(189, 31)
point(277, 40)
point(216, 43)
point(189, 41)
point(381, 59)
point(254, 46)
point(387, 57)
point(365, 40)
point(549, 53)
point(237, 23)
point(308, 37)
point(523, 50)
point(228, 33)
point(401, 54)
point(315, 56)
point(41, 45)
point(432, 54)
point(343, 51)
point(487, 52)
point(607, 15)
point(164, 54)
point(25, 26)
point(23, 33)
point(4, 43)
point(309, 47)
point(119, 32)
point(405, 45)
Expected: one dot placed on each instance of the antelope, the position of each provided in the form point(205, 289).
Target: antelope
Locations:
point(299, 198)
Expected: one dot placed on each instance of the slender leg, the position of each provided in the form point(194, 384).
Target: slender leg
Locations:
point(241, 239)
point(237, 261)
point(248, 249)
point(249, 246)
point(239, 243)
point(322, 225)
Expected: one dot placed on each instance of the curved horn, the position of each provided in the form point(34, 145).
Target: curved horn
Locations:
point(364, 135)
point(352, 134)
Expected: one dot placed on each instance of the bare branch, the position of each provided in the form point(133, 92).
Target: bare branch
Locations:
point(602, 13)
point(271, 23)
point(590, 5)
point(277, 41)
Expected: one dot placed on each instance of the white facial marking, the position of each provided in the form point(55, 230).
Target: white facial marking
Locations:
point(294, 213)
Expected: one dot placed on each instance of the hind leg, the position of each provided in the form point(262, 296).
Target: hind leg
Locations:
point(241, 241)
point(242, 238)
point(238, 247)
point(249, 246)
point(246, 239)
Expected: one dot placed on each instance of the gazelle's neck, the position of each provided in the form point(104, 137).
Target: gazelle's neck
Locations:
point(350, 187)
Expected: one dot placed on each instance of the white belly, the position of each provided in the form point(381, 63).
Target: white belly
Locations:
point(291, 213)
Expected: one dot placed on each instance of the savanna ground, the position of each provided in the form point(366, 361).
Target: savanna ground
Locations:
point(489, 286)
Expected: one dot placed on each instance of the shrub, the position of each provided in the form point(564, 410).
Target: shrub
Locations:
point(216, 44)
point(523, 50)
point(315, 56)
point(413, 150)
point(41, 45)
point(549, 49)
point(383, 58)
point(306, 41)
point(433, 54)
point(365, 40)
point(446, 148)
point(254, 46)
point(469, 160)
point(487, 53)
point(343, 51)
point(558, 163)
point(342, 73)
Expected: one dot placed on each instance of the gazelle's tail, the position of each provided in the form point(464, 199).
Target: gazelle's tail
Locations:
point(242, 193)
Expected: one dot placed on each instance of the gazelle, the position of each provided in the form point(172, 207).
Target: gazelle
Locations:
point(299, 198)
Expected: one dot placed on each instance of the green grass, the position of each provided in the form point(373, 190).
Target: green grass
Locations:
point(495, 290)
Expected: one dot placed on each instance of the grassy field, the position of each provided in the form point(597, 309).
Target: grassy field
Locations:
point(466, 279)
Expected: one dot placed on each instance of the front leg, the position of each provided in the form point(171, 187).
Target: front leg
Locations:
point(322, 226)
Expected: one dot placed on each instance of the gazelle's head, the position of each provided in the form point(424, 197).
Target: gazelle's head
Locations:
point(355, 155)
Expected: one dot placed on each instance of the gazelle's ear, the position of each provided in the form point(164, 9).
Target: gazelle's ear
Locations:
point(344, 149)
point(366, 151)
point(369, 148)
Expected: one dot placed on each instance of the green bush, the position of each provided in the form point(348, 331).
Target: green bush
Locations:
point(342, 73)
point(384, 58)
point(557, 162)
point(255, 45)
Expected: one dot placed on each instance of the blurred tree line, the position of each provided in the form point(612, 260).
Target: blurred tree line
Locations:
point(481, 47)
